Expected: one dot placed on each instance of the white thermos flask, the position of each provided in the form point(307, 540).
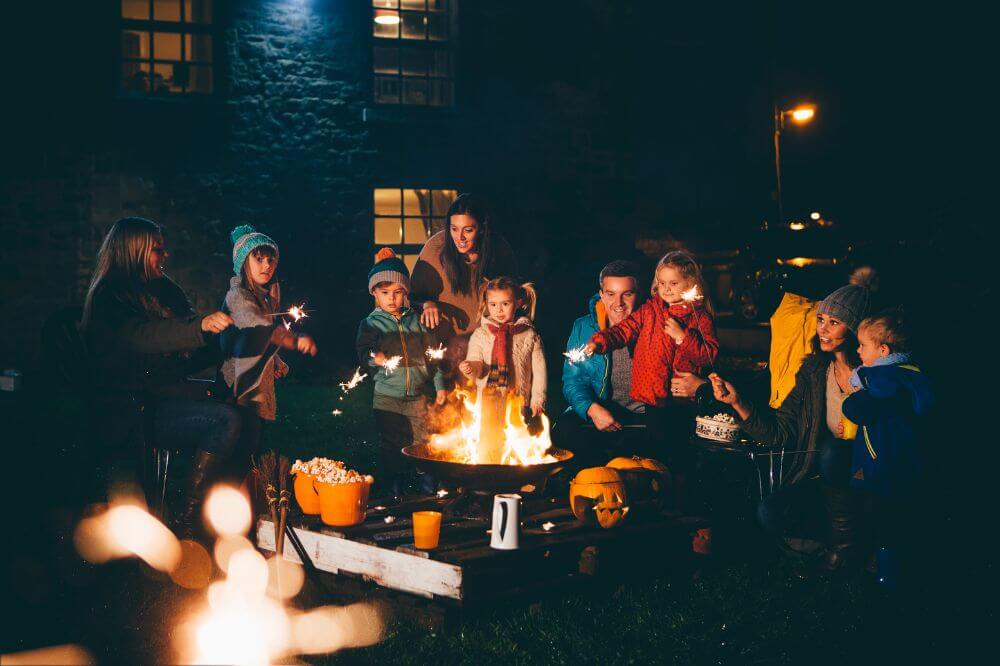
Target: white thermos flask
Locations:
point(506, 521)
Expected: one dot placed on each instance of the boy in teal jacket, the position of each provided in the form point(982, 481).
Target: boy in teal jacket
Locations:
point(392, 342)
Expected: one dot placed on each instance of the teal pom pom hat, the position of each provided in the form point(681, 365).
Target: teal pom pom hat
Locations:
point(245, 240)
point(388, 268)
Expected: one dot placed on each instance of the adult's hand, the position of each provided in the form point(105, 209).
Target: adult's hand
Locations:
point(216, 322)
point(685, 384)
point(305, 345)
point(431, 316)
point(602, 418)
point(727, 394)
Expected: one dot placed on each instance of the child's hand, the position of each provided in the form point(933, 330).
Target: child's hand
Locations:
point(280, 370)
point(379, 359)
point(536, 409)
point(471, 369)
point(442, 396)
point(306, 345)
point(674, 330)
point(589, 348)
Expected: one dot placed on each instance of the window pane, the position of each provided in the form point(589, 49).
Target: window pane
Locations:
point(387, 202)
point(414, 91)
point(440, 200)
point(135, 44)
point(198, 47)
point(386, 90)
point(135, 76)
point(441, 63)
point(386, 61)
point(414, 26)
point(385, 3)
point(135, 9)
point(198, 11)
point(413, 4)
point(166, 46)
point(388, 231)
point(410, 260)
point(437, 27)
point(386, 24)
point(164, 80)
point(416, 202)
point(414, 62)
point(200, 79)
point(442, 93)
point(167, 10)
point(414, 230)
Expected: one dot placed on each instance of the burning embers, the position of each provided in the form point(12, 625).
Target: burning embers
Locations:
point(492, 430)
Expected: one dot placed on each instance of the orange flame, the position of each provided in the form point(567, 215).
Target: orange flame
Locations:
point(498, 436)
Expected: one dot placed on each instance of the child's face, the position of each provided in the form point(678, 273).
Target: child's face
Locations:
point(868, 350)
point(500, 305)
point(670, 284)
point(390, 297)
point(261, 267)
point(156, 258)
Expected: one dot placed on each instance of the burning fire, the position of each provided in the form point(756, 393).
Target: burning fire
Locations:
point(498, 437)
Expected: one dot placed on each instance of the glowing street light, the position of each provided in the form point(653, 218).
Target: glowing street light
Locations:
point(800, 115)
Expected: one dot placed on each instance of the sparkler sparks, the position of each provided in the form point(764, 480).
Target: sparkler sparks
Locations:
point(353, 381)
point(577, 355)
point(391, 364)
point(692, 295)
point(436, 354)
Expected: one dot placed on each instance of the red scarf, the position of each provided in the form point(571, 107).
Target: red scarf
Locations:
point(501, 360)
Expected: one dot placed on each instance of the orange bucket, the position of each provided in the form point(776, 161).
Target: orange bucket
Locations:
point(343, 504)
point(305, 493)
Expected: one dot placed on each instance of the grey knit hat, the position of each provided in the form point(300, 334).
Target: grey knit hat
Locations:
point(850, 304)
point(388, 268)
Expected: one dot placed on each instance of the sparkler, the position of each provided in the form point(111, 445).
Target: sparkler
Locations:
point(692, 295)
point(353, 381)
point(391, 364)
point(436, 354)
point(296, 312)
point(577, 355)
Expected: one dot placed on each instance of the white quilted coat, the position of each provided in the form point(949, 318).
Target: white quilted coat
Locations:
point(528, 375)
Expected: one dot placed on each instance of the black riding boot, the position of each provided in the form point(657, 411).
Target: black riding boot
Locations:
point(204, 470)
point(844, 509)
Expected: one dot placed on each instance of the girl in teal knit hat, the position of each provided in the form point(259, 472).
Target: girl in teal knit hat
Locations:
point(251, 346)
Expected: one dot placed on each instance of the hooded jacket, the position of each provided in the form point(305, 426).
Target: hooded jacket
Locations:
point(888, 456)
point(407, 338)
point(586, 382)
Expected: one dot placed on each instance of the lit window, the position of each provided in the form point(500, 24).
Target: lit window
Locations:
point(166, 47)
point(413, 59)
point(405, 219)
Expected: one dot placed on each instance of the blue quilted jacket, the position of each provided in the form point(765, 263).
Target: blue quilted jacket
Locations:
point(589, 380)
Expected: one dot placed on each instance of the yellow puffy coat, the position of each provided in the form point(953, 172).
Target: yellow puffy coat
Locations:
point(793, 326)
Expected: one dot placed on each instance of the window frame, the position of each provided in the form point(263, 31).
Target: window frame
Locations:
point(425, 45)
point(182, 28)
point(403, 248)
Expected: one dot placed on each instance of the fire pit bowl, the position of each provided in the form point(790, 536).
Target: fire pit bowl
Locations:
point(492, 478)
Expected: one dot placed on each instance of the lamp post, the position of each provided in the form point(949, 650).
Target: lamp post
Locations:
point(800, 115)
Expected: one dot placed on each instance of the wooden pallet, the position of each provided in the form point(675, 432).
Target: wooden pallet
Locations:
point(464, 569)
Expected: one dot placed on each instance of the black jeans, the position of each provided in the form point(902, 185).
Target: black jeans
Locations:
point(396, 431)
point(193, 425)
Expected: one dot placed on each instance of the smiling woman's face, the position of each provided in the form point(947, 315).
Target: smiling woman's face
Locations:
point(464, 229)
point(831, 332)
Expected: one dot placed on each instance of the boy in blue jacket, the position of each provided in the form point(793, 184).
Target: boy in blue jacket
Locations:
point(890, 404)
point(392, 342)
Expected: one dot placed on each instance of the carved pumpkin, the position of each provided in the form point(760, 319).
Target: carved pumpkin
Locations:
point(598, 494)
point(645, 478)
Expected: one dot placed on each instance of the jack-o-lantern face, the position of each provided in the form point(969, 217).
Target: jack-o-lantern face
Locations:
point(597, 494)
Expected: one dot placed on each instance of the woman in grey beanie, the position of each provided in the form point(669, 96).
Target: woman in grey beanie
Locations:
point(809, 428)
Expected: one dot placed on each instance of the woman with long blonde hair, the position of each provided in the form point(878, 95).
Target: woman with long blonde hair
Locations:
point(144, 339)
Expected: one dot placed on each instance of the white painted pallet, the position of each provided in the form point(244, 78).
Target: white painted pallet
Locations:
point(389, 568)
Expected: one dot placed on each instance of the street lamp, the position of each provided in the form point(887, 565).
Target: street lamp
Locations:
point(800, 115)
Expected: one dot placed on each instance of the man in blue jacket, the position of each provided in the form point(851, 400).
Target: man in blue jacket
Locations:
point(597, 388)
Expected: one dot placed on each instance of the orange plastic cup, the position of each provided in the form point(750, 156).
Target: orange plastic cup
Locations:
point(305, 493)
point(426, 529)
point(343, 504)
point(850, 428)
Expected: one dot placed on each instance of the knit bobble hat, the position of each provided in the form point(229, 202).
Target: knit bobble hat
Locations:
point(388, 268)
point(849, 304)
point(245, 240)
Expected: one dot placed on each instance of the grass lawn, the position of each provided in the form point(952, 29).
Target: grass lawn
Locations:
point(751, 609)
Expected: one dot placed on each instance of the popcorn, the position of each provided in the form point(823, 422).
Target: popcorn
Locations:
point(724, 418)
point(326, 470)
